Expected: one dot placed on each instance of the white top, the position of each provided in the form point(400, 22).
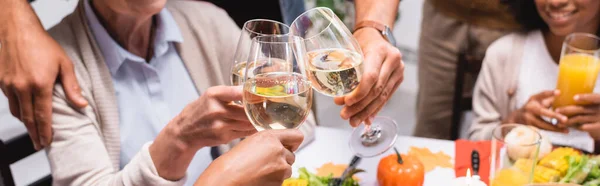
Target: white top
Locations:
point(539, 72)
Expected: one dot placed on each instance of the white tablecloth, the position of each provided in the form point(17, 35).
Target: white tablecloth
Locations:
point(331, 145)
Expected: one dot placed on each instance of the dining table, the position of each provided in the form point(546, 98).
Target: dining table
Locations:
point(330, 145)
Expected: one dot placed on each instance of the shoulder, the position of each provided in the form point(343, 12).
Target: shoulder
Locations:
point(63, 32)
point(506, 44)
point(502, 51)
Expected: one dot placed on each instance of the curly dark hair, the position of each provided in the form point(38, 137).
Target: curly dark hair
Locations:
point(526, 14)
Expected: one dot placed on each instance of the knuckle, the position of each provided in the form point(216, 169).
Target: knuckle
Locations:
point(379, 89)
point(371, 75)
point(386, 93)
point(40, 115)
point(210, 92)
point(39, 82)
point(21, 85)
point(395, 54)
point(15, 113)
point(28, 121)
point(381, 47)
point(5, 81)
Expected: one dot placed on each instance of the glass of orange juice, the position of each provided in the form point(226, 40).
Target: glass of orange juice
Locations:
point(578, 68)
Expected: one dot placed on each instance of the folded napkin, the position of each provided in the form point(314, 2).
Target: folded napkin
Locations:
point(463, 150)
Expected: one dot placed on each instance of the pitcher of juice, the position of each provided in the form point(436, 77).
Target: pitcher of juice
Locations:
point(578, 68)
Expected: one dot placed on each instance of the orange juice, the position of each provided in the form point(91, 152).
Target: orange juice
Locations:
point(577, 75)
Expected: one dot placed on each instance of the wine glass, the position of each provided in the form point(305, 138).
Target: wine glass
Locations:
point(277, 94)
point(334, 62)
point(251, 29)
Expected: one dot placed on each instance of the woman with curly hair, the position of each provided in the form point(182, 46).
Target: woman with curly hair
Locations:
point(518, 77)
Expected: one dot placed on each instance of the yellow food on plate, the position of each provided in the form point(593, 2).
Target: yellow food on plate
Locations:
point(509, 177)
point(557, 159)
point(431, 160)
point(541, 174)
point(295, 182)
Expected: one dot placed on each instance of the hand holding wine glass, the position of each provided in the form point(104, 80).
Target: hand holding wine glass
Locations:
point(268, 164)
point(383, 74)
point(334, 61)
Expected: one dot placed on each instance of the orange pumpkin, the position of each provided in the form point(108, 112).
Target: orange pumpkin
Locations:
point(400, 170)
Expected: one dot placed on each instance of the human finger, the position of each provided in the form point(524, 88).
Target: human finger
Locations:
point(289, 138)
point(547, 102)
point(545, 112)
point(591, 127)
point(546, 94)
point(235, 112)
point(13, 102)
point(42, 111)
point(582, 119)
point(70, 85)
point(239, 125)
point(381, 106)
point(572, 110)
point(244, 133)
point(339, 101)
point(226, 93)
point(371, 109)
point(538, 122)
point(372, 66)
point(287, 173)
point(26, 112)
point(387, 71)
point(587, 98)
point(289, 156)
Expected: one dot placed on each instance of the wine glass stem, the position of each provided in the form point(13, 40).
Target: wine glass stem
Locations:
point(370, 135)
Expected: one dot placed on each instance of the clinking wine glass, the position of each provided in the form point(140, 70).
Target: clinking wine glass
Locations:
point(334, 61)
point(277, 94)
point(251, 29)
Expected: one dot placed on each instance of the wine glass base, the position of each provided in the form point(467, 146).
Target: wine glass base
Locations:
point(382, 138)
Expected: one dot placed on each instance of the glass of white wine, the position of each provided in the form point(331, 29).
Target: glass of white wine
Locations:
point(277, 94)
point(251, 29)
point(334, 63)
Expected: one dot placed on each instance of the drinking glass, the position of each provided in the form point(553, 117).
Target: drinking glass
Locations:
point(334, 64)
point(515, 151)
point(578, 68)
point(251, 29)
point(277, 94)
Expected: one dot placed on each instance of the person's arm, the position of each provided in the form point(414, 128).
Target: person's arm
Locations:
point(383, 66)
point(30, 62)
point(79, 155)
point(486, 107)
point(382, 11)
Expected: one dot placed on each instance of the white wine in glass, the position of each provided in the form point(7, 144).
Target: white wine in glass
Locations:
point(277, 93)
point(277, 100)
point(334, 72)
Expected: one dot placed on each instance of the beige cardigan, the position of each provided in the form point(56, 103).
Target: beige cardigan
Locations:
point(86, 142)
point(494, 92)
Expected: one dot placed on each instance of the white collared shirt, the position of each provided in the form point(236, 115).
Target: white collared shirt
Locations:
point(149, 94)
